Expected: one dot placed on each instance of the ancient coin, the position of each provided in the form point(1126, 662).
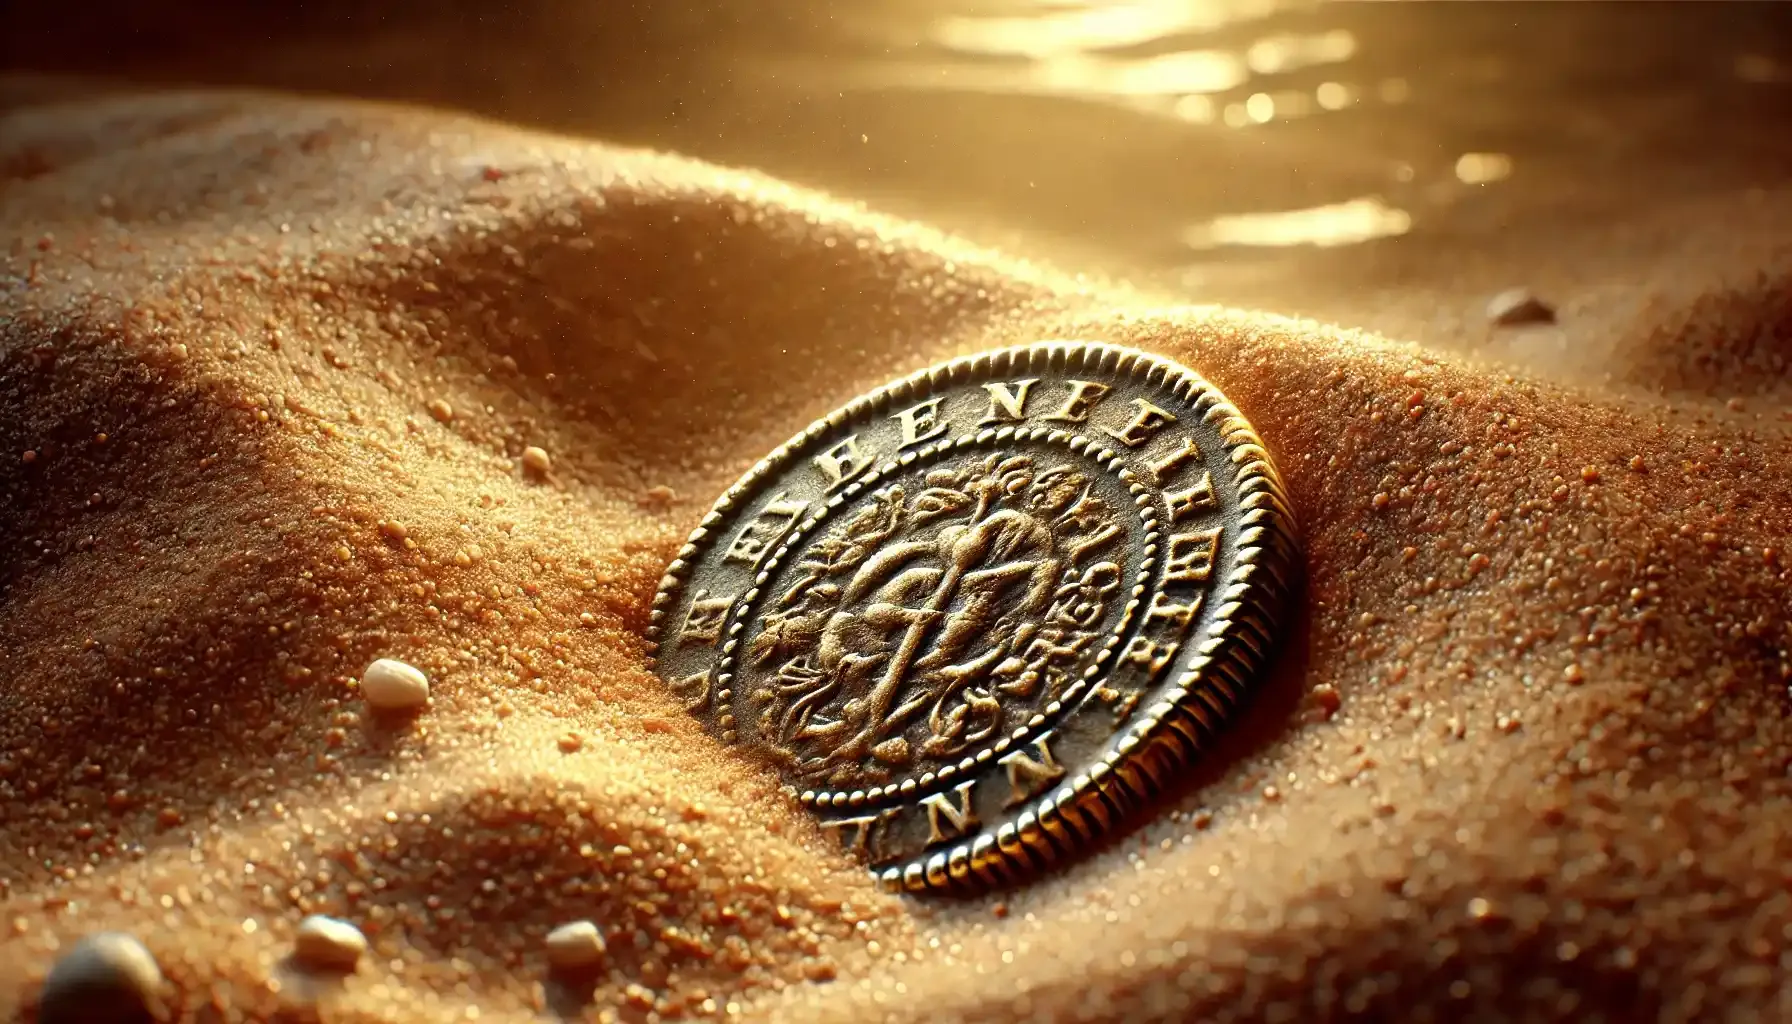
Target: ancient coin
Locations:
point(976, 617)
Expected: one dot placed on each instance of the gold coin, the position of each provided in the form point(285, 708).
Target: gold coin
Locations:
point(975, 617)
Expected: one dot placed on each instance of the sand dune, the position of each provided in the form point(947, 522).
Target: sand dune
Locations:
point(267, 371)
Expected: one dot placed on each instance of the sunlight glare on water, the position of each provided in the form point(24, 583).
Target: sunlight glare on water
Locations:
point(1136, 53)
point(1253, 150)
point(1042, 29)
point(1198, 64)
point(1349, 223)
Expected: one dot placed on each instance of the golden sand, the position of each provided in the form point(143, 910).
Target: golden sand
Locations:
point(271, 372)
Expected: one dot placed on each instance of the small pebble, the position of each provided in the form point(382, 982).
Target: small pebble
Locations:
point(575, 946)
point(442, 411)
point(536, 460)
point(392, 685)
point(108, 978)
point(1328, 698)
point(328, 943)
point(1518, 307)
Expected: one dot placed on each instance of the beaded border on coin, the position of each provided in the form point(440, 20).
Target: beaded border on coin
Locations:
point(1162, 738)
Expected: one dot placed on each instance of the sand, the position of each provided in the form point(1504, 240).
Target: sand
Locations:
point(1526, 752)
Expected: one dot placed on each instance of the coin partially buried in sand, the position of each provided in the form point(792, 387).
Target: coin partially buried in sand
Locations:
point(978, 615)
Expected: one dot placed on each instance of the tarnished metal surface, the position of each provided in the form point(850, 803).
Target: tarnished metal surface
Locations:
point(974, 616)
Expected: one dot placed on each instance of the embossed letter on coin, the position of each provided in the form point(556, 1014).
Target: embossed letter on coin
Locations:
point(976, 615)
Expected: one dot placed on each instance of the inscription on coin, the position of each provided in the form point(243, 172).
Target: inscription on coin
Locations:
point(977, 615)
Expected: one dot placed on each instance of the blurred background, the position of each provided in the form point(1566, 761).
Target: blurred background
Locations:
point(1389, 165)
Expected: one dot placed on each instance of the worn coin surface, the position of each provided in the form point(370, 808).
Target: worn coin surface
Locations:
point(977, 616)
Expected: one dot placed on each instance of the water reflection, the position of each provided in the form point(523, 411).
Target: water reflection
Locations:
point(1139, 55)
point(1042, 29)
point(1349, 223)
point(1148, 83)
point(1215, 146)
point(1203, 64)
point(1481, 168)
point(1280, 54)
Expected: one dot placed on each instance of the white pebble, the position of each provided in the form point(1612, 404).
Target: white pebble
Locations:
point(575, 946)
point(106, 977)
point(536, 460)
point(392, 685)
point(327, 942)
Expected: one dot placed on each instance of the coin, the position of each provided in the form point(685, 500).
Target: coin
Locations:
point(976, 617)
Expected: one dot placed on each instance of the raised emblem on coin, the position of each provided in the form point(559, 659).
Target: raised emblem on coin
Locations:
point(976, 616)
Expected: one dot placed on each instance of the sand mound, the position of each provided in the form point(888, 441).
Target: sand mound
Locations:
point(1525, 752)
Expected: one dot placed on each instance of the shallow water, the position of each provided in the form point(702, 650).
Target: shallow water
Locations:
point(1179, 138)
point(1203, 147)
